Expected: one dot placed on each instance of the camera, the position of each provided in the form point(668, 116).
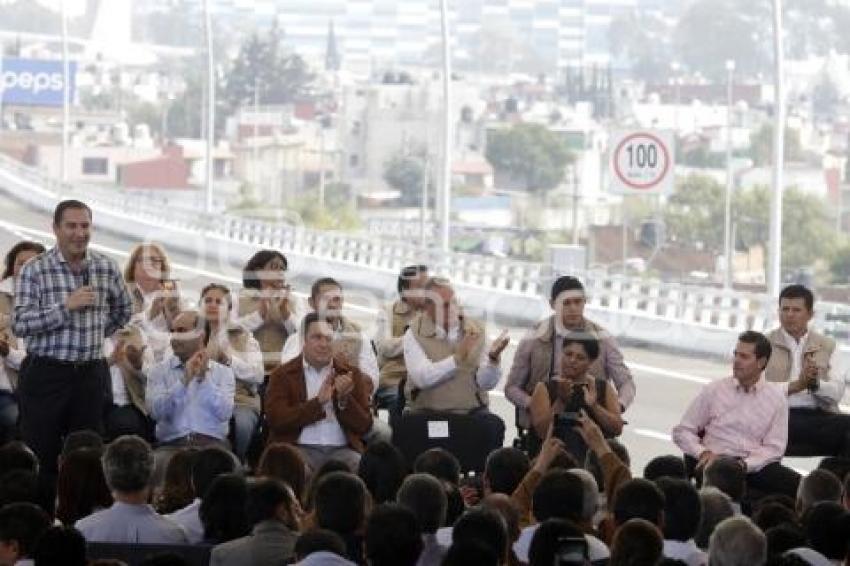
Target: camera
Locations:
point(572, 551)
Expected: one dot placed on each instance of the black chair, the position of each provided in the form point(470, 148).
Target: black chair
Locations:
point(133, 553)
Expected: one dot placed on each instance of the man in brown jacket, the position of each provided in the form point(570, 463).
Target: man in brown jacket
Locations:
point(318, 403)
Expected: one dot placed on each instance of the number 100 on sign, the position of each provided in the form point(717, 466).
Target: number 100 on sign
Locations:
point(642, 162)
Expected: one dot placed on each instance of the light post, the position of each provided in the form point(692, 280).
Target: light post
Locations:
point(446, 169)
point(727, 224)
point(775, 239)
point(210, 110)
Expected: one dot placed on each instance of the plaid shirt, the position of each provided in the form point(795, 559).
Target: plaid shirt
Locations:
point(45, 323)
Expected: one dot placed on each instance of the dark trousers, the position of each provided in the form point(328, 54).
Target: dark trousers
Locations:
point(773, 478)
point(8, 416)
point(127, 419)
point(57, 398)
point(814, 432)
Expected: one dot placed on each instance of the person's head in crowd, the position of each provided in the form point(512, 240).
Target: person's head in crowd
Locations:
point(828, 529)
point(326, 299)
point(18, 255)
point(216, 304)
point(504, 469)
point(147, 267)
point(505, 506)
point(72, 221)
point(128, 466)
point(751, 355)
point(772, 514)
point(486, 526)
point(819, 485)
point(440, 304)
point(564, 460)
point(567, 299)
point(548, 541)
point(716, 507)
point(440, 463)
point(223, 510)
point(639, 499)
point(284, 462)
point(208, 464)
point(188, 335)
point(737, 542)
point(727, 475)
point(590, 503)
point(16, 455)
point(411, 282)
point(466, 552)
point(592, 465)
point(637, 542)
point(682, 508)
point(269, 499)
point(393, 537)
point(342, 503)
point(177, 492)
point(666, 466)
point(425, 496)
point(382, 468)
point(317, 334)
point(60, 546)
point(81, 487)
point(796, 309)
point(559, 495)
point(328, 467)
point(19, 486)
point(782, 538)
point(579, 352)
point(21, 525)
point(779, 498)
point(266, 270)
point(83, 439)
point(837, 465)
point(318, 540)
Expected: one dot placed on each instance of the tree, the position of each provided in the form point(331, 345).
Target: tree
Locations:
point(642, 38)
point(694, 213)
point(761, 145)
point(405, 173)
point(530, 153)
point(839, 264)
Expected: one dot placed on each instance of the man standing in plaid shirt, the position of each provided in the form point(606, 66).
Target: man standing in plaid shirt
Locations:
point(67, 301)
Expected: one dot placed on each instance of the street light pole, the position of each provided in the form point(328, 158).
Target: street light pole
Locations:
point(727, 224)
point(210, 110)
point(445, 244)
point(775, 251)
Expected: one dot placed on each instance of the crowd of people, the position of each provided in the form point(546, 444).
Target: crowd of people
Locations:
point(140, 425)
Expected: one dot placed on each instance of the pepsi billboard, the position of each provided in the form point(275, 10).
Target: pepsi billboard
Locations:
point(34, 82)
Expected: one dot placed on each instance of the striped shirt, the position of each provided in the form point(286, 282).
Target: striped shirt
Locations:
point(752, 425)
point(44, 322)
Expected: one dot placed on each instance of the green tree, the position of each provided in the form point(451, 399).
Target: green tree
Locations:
point(694, 213)
point(405, 173)
point(642, 39)
point(530, 153)
point(839, 264)
point(761, 145)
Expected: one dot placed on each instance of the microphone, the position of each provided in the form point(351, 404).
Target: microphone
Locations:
point(86, 276)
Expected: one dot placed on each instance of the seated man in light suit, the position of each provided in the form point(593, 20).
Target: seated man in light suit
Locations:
point(449, 369)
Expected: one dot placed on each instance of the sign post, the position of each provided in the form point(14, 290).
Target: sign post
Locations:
point(642, 162)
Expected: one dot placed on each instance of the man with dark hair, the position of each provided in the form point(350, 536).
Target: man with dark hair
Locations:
point(504, 470)
point(726, 474)
point(341, 505)
point(320, 547)
point(19, 486)
point(547, 541)
point(424, 495)
point(317, 402)
point(682, 511)
point(486, 526)
point(639, 499)
point(538, 355)
point(818, 486)
point(16, 455)
point(808, 367)
point(67, 300)
point(128, 466)
point(440, 463)
point(666, 466)
point(21, 525)
point(393, 536)
point(393, 322)
point(743, 417)
point(61, 546)
point(828, 530)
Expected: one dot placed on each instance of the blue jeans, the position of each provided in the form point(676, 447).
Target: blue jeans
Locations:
point(8, 416)
point(245, 421)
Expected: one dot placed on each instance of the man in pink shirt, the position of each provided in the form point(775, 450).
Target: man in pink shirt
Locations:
point(743, 417)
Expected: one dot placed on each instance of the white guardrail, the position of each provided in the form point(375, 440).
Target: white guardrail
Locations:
point(690, 317)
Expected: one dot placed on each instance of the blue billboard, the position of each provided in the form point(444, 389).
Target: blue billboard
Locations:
point(34, 82)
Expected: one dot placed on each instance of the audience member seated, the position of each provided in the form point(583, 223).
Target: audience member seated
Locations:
point(176, 490)
point(190, 396)
point(439, 463)
point(682, 511)
point(782, 538)
point(382, 469)
point(128, 465)
point(716, 507)
point(317, 402)
point(274, 514)
point(504, 469)
point(320, 547)
point(639, 499)
point(816, 487)
point(666, 466)
point(342, 506)
point(61, 546)
point(828, 530)
point(21, 526)
point(743, 417)
point(726, 474)
point(20, 486)
point(464, 553)
point(772, 514)
point(130, 361)
point(328, 467)
point(638, 542)
point(552, 539)
point(16, 455)
point(485, 526)
point(424, 495)
point(81, 488)
point(393, 537)
point(222, 511)
point(449, 368)
point(81, 439)
point(208, 464)
point(737, 542)
point(284, 462)
point(504, 506)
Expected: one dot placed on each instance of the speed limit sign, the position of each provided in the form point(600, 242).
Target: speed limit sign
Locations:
point(642, 162)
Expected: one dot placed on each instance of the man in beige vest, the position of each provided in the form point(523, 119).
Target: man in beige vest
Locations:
point(393, 322)
point(807, 366)
point(449, 369)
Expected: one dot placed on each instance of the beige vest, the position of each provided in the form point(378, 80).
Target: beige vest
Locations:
point(393, 369)
point(818, 346)
point(271, 335)
point(134, 381)
point(7, 311)
point(460, 393)
point(347, 343)
point(246, 393)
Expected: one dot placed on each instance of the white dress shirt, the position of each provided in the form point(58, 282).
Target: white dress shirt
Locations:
point(247, 365)
point(155, 330)
point(119, 390)
point(17, 350)
point(190, 519)
point(425, 373)
point(596, 549)
point(830, 391)
point(688, 552)
point(326, 432)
